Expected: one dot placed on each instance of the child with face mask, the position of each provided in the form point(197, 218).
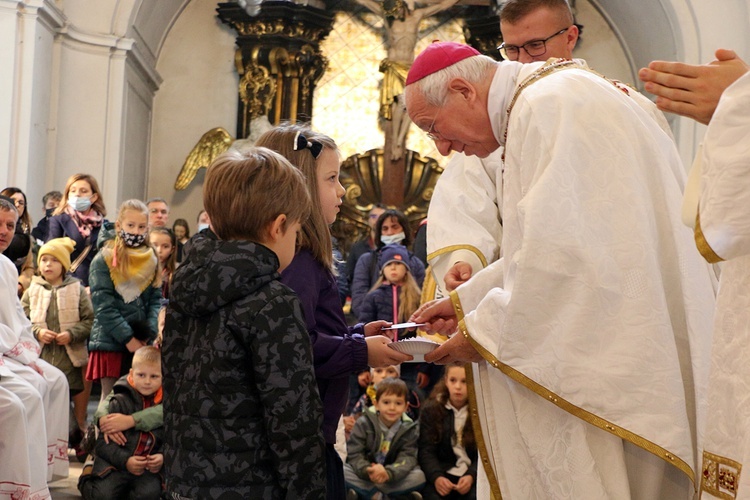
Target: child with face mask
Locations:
point(125, 283)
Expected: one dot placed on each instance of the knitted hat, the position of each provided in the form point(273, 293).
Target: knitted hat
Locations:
point(393, 253)
point(59, 248)
point(437, 56)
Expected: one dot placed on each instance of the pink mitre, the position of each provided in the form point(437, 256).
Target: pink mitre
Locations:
point(437, 56)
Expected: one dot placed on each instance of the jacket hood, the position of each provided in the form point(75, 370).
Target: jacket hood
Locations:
point(215, 273)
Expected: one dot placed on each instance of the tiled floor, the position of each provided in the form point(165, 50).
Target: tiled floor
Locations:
point(66, 489)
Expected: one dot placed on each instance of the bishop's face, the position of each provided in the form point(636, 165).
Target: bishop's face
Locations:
point(462, 124)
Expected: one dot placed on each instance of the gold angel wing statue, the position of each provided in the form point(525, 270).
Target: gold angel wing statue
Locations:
point(213, 143)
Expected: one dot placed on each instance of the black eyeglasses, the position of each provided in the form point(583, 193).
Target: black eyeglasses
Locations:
point(533, 48)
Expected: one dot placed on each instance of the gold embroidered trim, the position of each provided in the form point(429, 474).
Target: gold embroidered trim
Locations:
point(721, 476)
point(429, 286)
point(453, 248)
point(479, 436)
point(578, 412)
point(703, 247)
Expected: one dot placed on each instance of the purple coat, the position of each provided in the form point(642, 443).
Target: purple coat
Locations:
point(338, 350)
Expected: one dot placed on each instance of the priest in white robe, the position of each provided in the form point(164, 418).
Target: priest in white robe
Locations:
point(722, 233)
point(20, 355)
point(591, 333)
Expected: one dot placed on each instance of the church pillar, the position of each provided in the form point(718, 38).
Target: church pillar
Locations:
point(27, 31)
point(278, 59)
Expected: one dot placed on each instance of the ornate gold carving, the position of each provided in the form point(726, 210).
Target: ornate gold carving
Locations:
point(361, 176)
point(279, 27)
point(257, 90)
point(721, 476)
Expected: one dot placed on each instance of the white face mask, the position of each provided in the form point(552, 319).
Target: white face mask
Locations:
point(392, 238)
point(201, 227)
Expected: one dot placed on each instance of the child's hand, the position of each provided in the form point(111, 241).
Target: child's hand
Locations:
point(423, 380)
point(376, 327)
point(116, 437)
point(136, 465)
point(364, 378)
point(377, 473)
point(154, 462)
point(46, 336)
point(464, 484)
point(443, 486)
point(63, 338)
point(134, 344)
point(115, 422)
point(379, 354)
point(349, 423)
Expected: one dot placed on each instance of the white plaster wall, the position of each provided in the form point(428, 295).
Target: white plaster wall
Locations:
point(199, 93)
point(8, 54)
point(600, 46)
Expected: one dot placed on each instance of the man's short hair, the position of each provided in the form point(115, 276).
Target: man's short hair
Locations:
point(513, 11)
point(394, 386)
point(52, 195)
point(147, 355)
point(160, 200)
point(8, 205)
point(254, 181)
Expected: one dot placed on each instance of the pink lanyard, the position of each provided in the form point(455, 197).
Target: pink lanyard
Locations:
point(394, 289)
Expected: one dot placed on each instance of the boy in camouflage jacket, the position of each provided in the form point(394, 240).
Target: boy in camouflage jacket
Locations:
point(242, 410)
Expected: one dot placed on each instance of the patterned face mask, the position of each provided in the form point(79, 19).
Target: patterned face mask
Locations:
point(132, 240)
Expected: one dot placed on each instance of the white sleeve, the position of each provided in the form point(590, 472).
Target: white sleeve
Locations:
point(464, 215)
point(16, 338)
point(724, 220)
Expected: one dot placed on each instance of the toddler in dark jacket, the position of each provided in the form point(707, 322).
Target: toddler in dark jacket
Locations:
point(131, 469)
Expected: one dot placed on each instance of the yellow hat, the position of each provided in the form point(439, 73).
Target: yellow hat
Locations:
point(59, 248)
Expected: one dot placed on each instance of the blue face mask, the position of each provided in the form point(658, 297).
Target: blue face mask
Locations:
point(79, 203)
point(392, 238)
point(201, 227)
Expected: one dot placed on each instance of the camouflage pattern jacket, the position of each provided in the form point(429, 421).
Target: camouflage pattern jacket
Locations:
point(242, 412)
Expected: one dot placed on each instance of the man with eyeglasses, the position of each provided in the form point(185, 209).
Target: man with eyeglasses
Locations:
point(535, 30)
point(467, 194)
point(590, 337)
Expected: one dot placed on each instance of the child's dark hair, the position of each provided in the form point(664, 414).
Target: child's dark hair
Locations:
point(394, 386)
point(171, 263)
point(434, 410)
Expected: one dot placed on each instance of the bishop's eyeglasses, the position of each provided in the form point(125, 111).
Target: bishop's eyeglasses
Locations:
point(533, 48)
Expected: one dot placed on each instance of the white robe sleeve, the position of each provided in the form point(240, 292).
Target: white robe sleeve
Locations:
point(723, 230)
point(464, 215)
point(16, 338)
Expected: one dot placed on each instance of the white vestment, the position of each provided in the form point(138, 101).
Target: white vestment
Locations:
point(595, 323)
point(723, 232)
point(464, 216)
point(19, 348)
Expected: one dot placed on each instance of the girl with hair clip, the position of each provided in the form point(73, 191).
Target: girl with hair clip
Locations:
point(165, 244)
point(447, 449)
point(79, 216)
point(126, 293)
point(338, 350)
point(21, 249)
